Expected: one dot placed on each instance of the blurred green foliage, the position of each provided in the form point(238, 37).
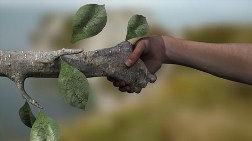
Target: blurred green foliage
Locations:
point(222, 33)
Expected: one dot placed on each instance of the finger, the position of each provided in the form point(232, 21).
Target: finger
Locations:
point(122, 84)
point(111, 79)
point(122, 89)
point(153, 78)
point(134, 56)
point(116, 83)
point(138, 91)
point(127, 88)
point(130, 91)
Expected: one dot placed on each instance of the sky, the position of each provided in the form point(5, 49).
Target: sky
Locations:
point(17, 17)
point(173, 14)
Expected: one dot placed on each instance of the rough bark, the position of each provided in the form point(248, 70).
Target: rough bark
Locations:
point(19, 65)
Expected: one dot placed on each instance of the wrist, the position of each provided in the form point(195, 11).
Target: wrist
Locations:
point(171, 49)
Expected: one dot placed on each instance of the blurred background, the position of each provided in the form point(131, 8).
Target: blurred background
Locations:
point(183, 105)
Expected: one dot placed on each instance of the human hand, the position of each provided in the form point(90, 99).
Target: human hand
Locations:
point(151, 50)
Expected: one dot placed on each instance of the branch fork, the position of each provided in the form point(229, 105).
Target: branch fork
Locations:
point(19, 65)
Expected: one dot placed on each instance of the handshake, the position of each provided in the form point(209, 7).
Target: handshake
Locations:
point(228, 61)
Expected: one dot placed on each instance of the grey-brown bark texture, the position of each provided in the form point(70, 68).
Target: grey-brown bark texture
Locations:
point(18, 65)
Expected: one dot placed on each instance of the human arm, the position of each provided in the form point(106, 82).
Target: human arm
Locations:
point(229, 61)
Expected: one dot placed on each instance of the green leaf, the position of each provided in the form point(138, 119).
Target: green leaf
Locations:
point(89, 20)
point(73, 85)
point(26, 115)
point(45, 129)
point(137, 27)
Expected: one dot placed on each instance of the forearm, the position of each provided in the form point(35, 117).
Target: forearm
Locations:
point(229, 61)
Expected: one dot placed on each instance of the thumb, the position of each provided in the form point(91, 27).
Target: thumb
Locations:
point(135, 55)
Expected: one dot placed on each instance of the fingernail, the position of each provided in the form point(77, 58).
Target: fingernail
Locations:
point(153, 78)
point(128, 62)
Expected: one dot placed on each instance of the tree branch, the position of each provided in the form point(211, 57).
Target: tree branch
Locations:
point(19, 65)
